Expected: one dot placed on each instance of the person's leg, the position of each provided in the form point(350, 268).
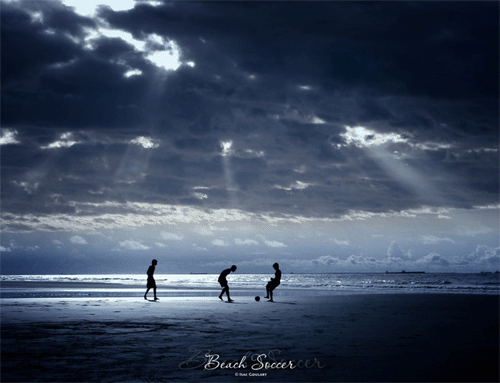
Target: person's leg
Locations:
point(154, 290)
point(227, 292)
point(267, 291)
point(145, 297)
point(222, 292)
point(271, 288)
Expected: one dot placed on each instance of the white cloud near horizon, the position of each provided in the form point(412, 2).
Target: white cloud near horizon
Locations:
point(485, 258)
point(432, 239)
point(133, 245)
point(116, 215)
point(171, 236)
point(78, 240)
point(239, 241)
point(274, 244)
point(219, 242)
point(394, 252)
point(340, 242)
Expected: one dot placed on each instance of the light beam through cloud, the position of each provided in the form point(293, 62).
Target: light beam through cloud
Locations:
point(375, 145)
point(227, 151)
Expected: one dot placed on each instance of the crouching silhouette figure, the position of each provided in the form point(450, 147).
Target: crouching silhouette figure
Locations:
point(273, 283)
point(223, 282)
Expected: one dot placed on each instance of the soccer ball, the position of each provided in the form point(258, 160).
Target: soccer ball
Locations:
point(257, 298)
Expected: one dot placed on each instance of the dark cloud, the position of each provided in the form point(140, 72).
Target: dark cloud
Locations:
point(427, 49)
point(27, 50)
point(281, 81)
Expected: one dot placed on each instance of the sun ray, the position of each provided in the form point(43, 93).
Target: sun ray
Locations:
point(376, 146)
point(227, 151)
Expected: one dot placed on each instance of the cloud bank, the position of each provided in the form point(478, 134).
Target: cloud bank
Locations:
point(173, 123)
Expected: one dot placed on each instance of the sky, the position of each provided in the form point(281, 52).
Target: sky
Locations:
point(326, 136)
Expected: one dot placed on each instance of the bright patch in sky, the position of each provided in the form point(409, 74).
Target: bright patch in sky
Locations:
point(133, 72)
point(145, 142)
point(164, 54)
point(200, 196)
point(133, 245)
point(239, 241)
point(317, 120)
point(227, 151)
point(433, 146)
point(297, 186)
point(363, 137)
point(168, 59)
point(226, 148)
point(36, 17)
point(254, 154)
point(219, 242)
point(89, 7)
point(274, 244)
point(8, 137)
point(66, 141)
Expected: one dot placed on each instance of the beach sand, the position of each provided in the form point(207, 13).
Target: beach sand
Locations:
point(338, 338)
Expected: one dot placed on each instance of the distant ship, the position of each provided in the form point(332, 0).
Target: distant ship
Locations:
point(405, 272)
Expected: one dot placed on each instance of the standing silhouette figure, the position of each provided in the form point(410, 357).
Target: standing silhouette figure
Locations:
point(273, 283)
point(151, 280)
point(223, 282)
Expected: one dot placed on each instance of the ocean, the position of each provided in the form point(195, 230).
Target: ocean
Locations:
point(18, 286)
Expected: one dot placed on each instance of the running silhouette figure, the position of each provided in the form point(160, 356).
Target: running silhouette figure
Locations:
point(273, 283)
point(223, 282)
point(151, 281)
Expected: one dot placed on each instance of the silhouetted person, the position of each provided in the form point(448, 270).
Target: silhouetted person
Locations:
point(223, 282)
point(273, 283)
point(151, 281)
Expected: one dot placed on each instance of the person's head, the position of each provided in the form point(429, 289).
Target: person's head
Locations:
point(276, 266)
point(233, 268)
point(155, 262)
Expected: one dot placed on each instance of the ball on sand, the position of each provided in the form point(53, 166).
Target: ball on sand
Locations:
point(257, 298)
